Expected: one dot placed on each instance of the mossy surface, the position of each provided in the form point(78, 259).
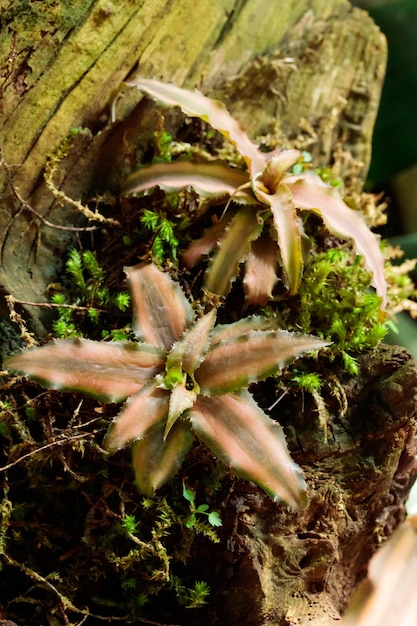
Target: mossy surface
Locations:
point(104, 551)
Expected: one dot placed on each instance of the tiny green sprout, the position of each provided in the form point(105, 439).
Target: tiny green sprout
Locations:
point(150, 219)
point(74, 267)
point(78, 131)
point(163, 144)
point(165, 243)
point(92, 265)
point(198, 596)
point(142, 599)
point(117, 334)
point(4, 429)
point(350, 363)
point(122, 300)
point(64, 329)
point(308, 381)
point(213, 517)
point(129, 584)
point(172, 378)
point(30, 413)
point(59, 298)
point(327, 175)
point(93, 314)
point(299, 167)
point(148, 503)
point(130, 524)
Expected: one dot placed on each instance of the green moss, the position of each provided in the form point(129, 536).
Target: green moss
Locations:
point(87, 302)
point(335, 302)
point(99, 545)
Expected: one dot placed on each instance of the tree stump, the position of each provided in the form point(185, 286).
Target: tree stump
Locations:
point(308, 74)
point(281, 568)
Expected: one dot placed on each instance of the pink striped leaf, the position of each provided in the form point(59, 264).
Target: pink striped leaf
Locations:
point(208, 241)
point(156, 458)
point(254, 356)
point(188, 352)
point(388, 597)
point(161, 310)
point(195, 104)
point(228, 332)
point(260, 273)
point(343, 222)
point(288, 232)
point(142, 413)
point(209, 180)
point(242, 436)
point(108, 371)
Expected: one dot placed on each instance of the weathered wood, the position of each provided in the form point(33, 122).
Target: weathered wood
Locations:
point(286, 569)
point(310, 72)
point(307, 74)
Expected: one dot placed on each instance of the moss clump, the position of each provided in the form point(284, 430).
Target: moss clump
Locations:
point(85, 304)
point(335, 302)
point(103, 553)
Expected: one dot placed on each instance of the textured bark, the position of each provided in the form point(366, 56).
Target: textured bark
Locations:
point(311, 72)
point(285, 569)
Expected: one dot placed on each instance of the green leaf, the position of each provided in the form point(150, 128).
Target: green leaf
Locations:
point(191, 520)
point(110, 371)
point(233, 248)
point(215, 519)
point(156, 460)
point(234, 364)
point(162, 312)
point(242, 436)
point(188, 494)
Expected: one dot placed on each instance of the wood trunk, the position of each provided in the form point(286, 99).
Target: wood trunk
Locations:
point(308, 73)
point(278, 568)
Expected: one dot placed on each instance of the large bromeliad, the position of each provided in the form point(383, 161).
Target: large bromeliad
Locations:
point(183, 377)
point(266, 226)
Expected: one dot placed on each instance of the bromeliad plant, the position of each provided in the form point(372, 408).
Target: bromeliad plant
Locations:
point(185, 376)
point(266, 227)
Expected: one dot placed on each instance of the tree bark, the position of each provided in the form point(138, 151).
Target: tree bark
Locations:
point(309, 74)
point(286, 569)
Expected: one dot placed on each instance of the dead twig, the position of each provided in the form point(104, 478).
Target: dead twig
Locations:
point(52, 444)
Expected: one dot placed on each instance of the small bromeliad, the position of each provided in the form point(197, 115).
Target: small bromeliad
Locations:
point(269, 197)
point(184, 376)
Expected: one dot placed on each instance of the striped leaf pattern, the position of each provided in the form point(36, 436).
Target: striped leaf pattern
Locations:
point(272, 189)
point(184, 380)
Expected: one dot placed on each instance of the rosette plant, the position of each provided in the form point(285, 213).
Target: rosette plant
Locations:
point(266, 226)
point(184, 376)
